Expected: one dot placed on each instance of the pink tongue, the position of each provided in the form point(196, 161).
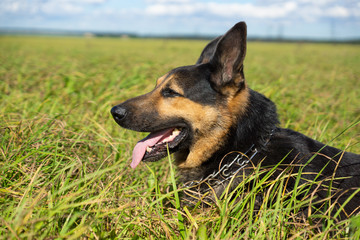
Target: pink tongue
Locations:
point(149, 141)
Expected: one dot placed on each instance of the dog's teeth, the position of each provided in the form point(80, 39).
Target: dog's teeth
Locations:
point(148, 149)
point(176, 132)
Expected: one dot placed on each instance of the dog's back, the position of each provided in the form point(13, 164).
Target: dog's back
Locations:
point(336, 170)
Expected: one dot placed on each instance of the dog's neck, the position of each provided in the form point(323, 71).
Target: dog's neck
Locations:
point(252, 132)
point(258, 122)
point(253, 129)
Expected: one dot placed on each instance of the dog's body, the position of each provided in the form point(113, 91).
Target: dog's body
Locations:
point(206, 115)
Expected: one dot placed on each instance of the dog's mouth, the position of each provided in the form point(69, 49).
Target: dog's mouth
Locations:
point(155, 145)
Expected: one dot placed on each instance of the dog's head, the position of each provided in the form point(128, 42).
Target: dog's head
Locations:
point(191, 107)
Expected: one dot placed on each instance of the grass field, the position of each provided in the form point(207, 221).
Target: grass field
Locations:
point(64, 163)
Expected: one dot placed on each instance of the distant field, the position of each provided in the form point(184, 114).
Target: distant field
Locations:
point(64, 163)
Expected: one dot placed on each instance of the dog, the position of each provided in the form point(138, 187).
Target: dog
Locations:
point(217, 127)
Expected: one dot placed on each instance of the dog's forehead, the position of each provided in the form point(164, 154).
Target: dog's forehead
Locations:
point(182, 76)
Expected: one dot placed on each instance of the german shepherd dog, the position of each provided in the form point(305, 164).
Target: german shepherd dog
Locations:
point(217, 128)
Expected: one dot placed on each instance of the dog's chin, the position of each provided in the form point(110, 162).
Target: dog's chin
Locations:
point(161, 150)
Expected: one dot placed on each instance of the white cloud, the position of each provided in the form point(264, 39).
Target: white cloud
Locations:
point(77, 2)
point(223, 9)
point(12, 7)
point(171, 9)
point(166, 1)
point(338, 11)
point(91, 1)
point(250, 10)
point(307, 10)
point(317, 2)
point(55, 7)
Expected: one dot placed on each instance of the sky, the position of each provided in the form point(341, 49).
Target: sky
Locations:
point(312, 19)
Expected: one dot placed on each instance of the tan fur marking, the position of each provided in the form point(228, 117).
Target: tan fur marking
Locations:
point(176, 88)
point(237, 105)
point(203, 149)
point(210, 124)
point(173, 84)
point(207, 145)
point(161, 79)
point(196, 113)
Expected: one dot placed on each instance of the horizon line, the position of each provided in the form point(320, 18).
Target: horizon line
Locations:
point(126, 34)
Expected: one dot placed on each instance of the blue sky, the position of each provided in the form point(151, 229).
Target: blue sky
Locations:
point(319, 19)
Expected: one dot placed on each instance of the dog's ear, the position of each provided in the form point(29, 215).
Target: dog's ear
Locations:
point(227, 60)
point(208, 51)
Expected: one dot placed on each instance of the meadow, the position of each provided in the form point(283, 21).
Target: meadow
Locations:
point(64, 162)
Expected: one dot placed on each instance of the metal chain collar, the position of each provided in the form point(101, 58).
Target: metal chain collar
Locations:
point(223, 171)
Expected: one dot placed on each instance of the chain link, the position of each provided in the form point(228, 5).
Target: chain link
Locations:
point(226, 176)
point(223, 170)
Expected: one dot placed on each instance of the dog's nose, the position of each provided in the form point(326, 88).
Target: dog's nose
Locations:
point(118, 113)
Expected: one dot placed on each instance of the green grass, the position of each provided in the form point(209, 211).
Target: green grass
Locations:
point(64, 163)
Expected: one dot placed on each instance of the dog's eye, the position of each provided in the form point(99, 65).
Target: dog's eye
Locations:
point(168, 92)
